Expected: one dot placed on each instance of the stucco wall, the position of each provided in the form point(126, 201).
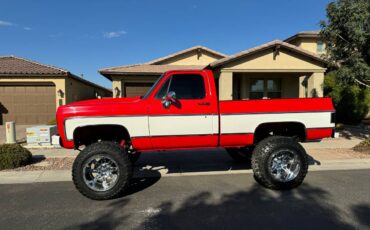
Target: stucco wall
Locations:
point(191, 58)
point(285, 60)
point(309, 44)
point(289, 83)
point(72, 90)
point(118, 82)
point(77, 91)
point(59, 83)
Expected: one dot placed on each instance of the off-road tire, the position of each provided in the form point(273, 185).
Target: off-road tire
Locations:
point(112, 150)
point(241, 155)
point(265, 149)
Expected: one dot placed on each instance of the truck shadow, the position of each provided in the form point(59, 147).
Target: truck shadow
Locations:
point(191, 161)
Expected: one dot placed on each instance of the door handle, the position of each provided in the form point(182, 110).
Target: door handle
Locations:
point(204, 103)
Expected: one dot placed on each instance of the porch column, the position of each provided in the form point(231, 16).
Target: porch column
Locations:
point(117, 87)
point(315, 85)
point(244, 87)
point(303, 83)
point(226, 86)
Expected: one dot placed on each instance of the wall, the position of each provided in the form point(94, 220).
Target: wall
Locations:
point(309, 44)
point(191, 58)
point(59, 83)
point(289, 83)
point(118, 82)
point(285, 60)
point(77, 91)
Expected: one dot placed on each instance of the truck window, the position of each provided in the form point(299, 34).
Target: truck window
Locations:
point(188, 86)
point(162, 92)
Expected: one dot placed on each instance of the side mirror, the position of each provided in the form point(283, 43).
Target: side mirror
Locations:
point(169, 99)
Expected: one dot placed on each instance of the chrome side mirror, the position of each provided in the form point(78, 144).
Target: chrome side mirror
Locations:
point(169, 99)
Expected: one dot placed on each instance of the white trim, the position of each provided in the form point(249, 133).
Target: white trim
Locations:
point(136, 125)
point(247, 123)
point(182, 125)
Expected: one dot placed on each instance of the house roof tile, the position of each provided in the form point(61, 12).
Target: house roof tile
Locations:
point(11, 65)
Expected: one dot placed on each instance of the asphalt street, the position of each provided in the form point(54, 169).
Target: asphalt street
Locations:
point(327, 200)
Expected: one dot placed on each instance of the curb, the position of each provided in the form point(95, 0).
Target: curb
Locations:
point(24, 177)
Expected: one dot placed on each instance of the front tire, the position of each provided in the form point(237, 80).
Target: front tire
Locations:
point(279, 163)
point(102, 171)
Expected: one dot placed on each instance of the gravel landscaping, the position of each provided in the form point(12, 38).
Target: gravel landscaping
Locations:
point(47, 164)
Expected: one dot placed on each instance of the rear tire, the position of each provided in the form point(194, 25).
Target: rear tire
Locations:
point(242, 155)
point(279, 163)
point(102, 171)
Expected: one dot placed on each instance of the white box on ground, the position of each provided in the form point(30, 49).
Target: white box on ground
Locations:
point(336, 135)
point(55, 140)
point(40, 135)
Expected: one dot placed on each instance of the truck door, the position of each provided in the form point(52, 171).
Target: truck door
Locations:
point(182, 113)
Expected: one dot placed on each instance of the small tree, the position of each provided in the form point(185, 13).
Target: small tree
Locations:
point(346, 33)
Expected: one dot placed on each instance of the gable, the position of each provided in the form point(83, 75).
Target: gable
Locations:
point(284, 59)
point(194, 57)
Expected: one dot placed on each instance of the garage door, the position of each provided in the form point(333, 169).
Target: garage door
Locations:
point(27, 104)
point(137, 89)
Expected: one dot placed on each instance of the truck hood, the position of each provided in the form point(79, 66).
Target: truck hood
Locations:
point(103, 107)
point(105, 101)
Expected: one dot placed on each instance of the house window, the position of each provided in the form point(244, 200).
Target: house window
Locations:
point(274, 88)
point(265, 88)
point(257, 89)
point(320, 47)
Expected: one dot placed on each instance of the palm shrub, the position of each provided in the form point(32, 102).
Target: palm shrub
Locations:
point(13, 156)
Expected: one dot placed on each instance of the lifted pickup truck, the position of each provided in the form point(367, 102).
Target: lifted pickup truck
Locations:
point(182, 111)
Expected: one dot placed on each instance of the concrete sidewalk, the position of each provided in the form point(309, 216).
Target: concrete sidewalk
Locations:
point(21, 177)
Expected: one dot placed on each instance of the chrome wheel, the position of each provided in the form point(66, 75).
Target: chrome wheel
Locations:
point(100, 173)
point(284, 166)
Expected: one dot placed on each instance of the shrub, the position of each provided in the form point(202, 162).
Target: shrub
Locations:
point(351, 101)
point(13, 156)
point(363, 146)
point(52, 122)
point(339, 126)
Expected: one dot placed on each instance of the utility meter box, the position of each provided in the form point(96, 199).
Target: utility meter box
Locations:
point(40, 135)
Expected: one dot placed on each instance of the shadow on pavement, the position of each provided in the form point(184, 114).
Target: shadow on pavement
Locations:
point(257, 208)
point(362, 213)
point(210, 160)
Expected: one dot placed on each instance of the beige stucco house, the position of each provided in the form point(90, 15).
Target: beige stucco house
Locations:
point(30, 92)
point(278, 69)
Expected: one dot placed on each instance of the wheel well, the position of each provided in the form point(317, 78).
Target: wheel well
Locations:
point(289, 129)
point(87, 135)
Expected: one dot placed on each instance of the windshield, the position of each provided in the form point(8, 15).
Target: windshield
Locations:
point(153, 87)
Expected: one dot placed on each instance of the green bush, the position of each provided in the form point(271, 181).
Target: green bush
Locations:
point(13, 156)
point(52, 122)
point(339, 126)
point(351, 101)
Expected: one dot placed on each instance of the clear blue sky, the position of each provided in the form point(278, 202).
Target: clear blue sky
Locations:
point(86, 35)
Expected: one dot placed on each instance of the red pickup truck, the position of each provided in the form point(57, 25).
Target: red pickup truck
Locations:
point(182, 111)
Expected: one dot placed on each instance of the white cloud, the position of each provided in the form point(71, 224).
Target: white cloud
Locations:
point(114, 34)
point(55, 35)
point(5, 23)
point(27, 28)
